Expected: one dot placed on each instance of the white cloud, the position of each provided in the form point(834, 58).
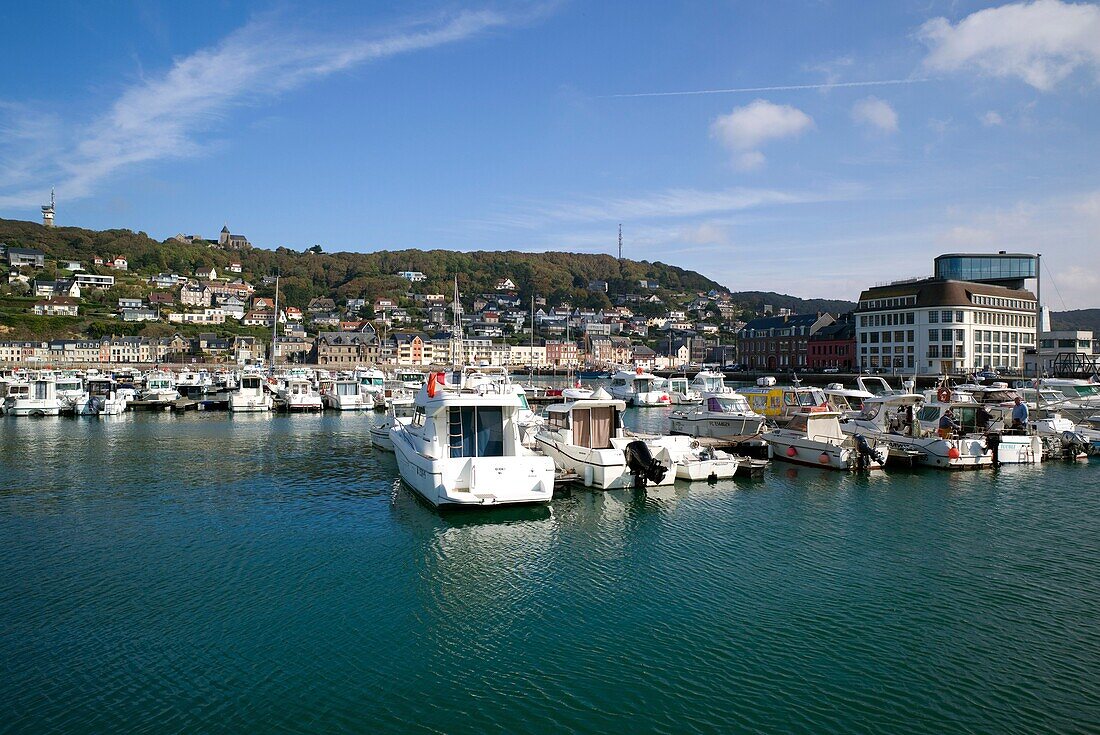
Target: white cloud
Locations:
point(876, 113)
point(163, 116)
point(1040, 42)
point(992, 118)
point(747, 128)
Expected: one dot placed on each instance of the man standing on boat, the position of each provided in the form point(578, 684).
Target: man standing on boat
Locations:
point(982, 419)
point(1019, 414)
point(948, 424)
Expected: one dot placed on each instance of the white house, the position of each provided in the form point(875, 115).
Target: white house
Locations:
point(412, 276)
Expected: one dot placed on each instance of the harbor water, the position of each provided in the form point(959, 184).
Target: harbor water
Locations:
point(222, 573)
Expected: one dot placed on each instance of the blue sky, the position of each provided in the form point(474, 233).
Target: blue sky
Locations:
point(818, 148)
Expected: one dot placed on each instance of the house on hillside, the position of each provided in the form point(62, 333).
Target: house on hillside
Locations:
point(412, 276)
point(235, 267)
point(505, 284)
point(195, 295)
point(262, 303)
point(129, 303)
point(57, 306)
point(205, 273)
point(119, 264)
point(70, 265)
point(320, 304)
point(159, 298)
point(30, 257)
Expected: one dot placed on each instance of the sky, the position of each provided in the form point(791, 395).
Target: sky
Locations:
point(813, 148)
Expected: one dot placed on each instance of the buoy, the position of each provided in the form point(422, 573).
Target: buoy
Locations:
point(824, 458)
point(791, 451)
point(954, 453)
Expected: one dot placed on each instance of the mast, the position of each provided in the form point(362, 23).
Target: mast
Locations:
point(275, 329)
point(531, 353)
point(1038, 325)
point(456, 331)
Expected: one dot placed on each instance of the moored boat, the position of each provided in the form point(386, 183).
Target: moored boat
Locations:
point(816, 439)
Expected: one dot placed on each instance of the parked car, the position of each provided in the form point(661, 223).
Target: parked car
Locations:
point(831, 370)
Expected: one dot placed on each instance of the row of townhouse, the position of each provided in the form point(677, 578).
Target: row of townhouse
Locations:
point(124, 350)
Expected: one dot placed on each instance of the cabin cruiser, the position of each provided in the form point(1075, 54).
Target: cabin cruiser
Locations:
point(462, 447)
point(372, 380)
point(194, 384)
point(890, 420)
point(401, 410)
point(681, 392)
point(298, 394)
point(250, 395)
point(39, 399)
point(638, 388)
point(106, 397)
point(721, 416)
point(13, 388)
point(780, 403)
point(692, 461)
point(586, 439)
point(1011, 446)
point(346, 394)
point(848, 402)
point(71, 392)
point(412, 380)
point(159, 387)
point(816, 439)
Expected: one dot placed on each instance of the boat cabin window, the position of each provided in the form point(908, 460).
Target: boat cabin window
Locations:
point(407, 410)
point(418, 416)
point(41, 389)
point(347, 389)
point(797, 422)
point(593, 427)
point(870, 411)
point(558, 419)
point(476, 431)
point(643, 385)
point(523, 404)
point(250, 382)
point(929, 413)
point(727, 404)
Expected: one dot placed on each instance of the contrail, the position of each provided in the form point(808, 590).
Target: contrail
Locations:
point(785, 88)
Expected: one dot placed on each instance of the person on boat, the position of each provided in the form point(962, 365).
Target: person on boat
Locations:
point(982, 419)
point(1019, 414)
point(948, 424)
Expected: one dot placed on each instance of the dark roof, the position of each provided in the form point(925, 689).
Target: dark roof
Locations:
point(782, 322)
point(837, 330)
point(936, 292)
point(12, 250)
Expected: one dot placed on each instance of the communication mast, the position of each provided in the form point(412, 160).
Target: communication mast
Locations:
point(47, 211)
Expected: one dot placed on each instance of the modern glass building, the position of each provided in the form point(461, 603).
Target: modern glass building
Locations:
point(1003, 269)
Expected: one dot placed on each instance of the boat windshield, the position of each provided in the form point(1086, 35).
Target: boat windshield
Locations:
point(727, 404)
point(811, 397)
point(404, 410)
point(1088, 391)
point(251, 382)
point(998, 396)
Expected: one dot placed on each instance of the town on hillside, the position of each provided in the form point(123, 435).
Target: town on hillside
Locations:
point(225, 313)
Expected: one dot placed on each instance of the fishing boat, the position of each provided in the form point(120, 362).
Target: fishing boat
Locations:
point(462, 446)
point(890, 420)
point(709, 381)
point(106, 397)
point(719, 416)
point(637, 388)
point(781, 402)
point(72, 393)
point(38, 399)
point(346, 394)
point(400, 410)
point(816, 439)
point(1011, 446)
point(694, 462)
point(251, 395)
point(297, 395)
point(159, 387)
point(848, 402)
point(586, 440)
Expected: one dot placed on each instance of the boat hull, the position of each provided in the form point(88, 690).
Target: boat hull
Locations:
point(716, 428)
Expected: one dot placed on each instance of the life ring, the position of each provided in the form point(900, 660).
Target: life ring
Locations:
point(638, 371)
point(943, 395)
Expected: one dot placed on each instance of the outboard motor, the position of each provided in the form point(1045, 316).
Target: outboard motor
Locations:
point(642, 465)
point(1073, 444)
point(865, 453)
point(993, 444)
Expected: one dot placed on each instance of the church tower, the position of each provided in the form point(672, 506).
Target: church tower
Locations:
point(223, 236)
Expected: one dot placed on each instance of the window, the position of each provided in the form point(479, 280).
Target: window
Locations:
point(933, 317)
point(476, 431)
point(945, 317)
point(933, 335)
point(959, 317)
point(909, 318)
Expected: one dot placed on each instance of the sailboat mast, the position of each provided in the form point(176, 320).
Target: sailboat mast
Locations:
point(1038, 325)
point(275, 328)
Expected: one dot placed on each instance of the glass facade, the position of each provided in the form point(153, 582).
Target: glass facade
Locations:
point(986, 267)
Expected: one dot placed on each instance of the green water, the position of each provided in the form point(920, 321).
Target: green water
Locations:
point(217, 574)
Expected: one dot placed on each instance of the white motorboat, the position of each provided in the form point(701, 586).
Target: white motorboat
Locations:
point(401, 410)
point(71, 392)
point(694, 462)
point(637, 388)
point(816, 439)
point(721, 416)
point(462, 446)
point(890, 419)
point(159, 387)
point(41, 399)
point(709, 381)
point(106, 398)
point(412, 380)
point(251, 395)
point(297, 394)
point(1061, 437)
point(347, 395)
point(371, 380)
point(586, 439)
point(12, 389)
point(681, 392)
point(1090, 429)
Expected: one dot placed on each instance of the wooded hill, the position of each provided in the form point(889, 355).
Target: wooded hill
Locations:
point(557, 276)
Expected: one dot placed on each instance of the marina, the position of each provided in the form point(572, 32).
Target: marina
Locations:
point(269, 535)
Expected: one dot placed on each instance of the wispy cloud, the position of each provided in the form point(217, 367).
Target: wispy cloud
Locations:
point(876, 113)
point(164, 116)
point(778, 88)
point(1040, 42)
point(670, 204)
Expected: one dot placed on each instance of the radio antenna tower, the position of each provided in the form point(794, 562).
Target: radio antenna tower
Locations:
point(620, 242)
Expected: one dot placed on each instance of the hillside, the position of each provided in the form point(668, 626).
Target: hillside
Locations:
point(755, 300)
point(1077, 319)
point(558, 276)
